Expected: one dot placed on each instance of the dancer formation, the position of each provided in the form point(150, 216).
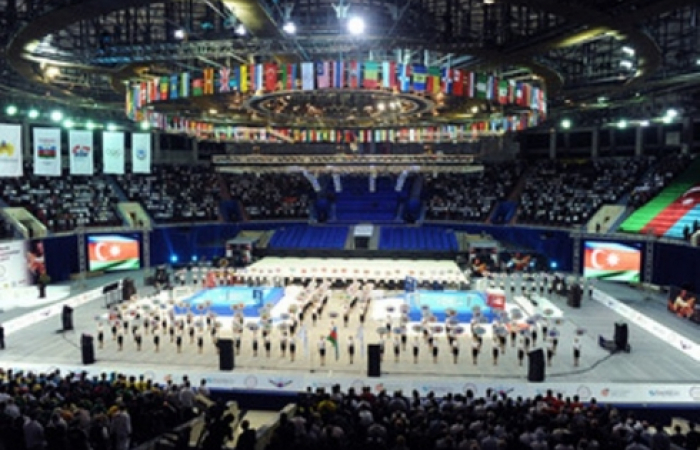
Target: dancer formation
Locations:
point(153, 325)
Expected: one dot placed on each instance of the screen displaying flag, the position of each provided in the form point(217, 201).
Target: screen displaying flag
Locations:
point(333, 339)
point(420, 76)
point(113, 252)
point(612, 261)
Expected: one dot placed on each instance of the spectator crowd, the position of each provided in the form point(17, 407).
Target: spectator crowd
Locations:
point(63, 203)
point(175, 193)
point(271, 196)
point(469, 197)
point(568, 193)
point(363, 420)
point(55, 411)
point(656, 179)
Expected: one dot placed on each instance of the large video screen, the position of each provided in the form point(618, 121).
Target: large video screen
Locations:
point(111, 252)
point(612, 261)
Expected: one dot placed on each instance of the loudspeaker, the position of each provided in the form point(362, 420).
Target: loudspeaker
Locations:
point(226, 358)
point(88, 349)
point(374, 361)
point(536, 366)
point(67, 318)
point(621, 336)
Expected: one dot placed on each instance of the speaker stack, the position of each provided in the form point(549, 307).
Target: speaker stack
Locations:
point(621, 337)
point(87, 349)
point(226, 358)
point(67, 318)
point(374, 361)
point(536, 366)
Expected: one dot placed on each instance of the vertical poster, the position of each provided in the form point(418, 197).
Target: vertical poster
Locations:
point(141, 152)
point(10, 150)
point(13, 267)
point(80, 150)
point(47, 151)
point(113, 152)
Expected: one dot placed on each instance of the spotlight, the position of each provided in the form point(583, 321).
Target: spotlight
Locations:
point(566, 124)
point(622, 124)
point(180, 34)
point(90, 125)
point(489, 2)
point(111, 127)
point(173, 258)
point(289, 28)
point(356, 25)
point(381, 106)
point(56, 116)
point(644, 123)
point(52, 72)
point(33, 114)
point(145, 126)
point(11, 110)
point(672, 113)
point(213, 111)
point(240, 30)
point(626, 64)
point(628, 50)
point(667, 119)
point(475, 109)
point(68, 123)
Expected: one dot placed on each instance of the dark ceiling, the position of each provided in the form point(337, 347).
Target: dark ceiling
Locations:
point(574, 47)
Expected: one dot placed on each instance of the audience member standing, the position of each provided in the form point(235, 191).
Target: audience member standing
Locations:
point(121, 429)
point(248, 437)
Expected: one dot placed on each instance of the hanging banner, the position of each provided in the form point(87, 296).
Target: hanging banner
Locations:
point(10, 151)
point(141, 152)
point(47, 152)
point(113, 152)
point(80, 152)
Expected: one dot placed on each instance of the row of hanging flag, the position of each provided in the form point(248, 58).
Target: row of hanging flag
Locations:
point(271, 77)
point(417, 134)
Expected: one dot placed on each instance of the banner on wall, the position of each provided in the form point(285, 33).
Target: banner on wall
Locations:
point(47, 152)
point(141, 152)
point(80, 151)
point(10, 150)
point(13, 265)
point(113, 152)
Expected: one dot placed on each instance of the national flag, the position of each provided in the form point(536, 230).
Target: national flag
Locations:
point(371, 79)
point(323, 75)
point(447, 80)
point(469, 84)
point(253, 78)
point(458, 82)
point(197, 87)
point(503, 92)
point(307, 76)
point(184, 85)
point(174, 85)
point(208, 81)
point(259, 77)
point(164, 85)
point(236, 79)
point(433, 80)
point(270, 77)
point(511, 92)
point(142, 94)
point(129, 103)
point(354, 75)
point(612, 261)
point(113, 253)
point(387, 74)
point(293, 81)
point(224, 79)
point(404, 77)
point(154, 91)
point(519, 94)
point(420, 75)
point(481, 86)
point(339, 74)
point(243, 80)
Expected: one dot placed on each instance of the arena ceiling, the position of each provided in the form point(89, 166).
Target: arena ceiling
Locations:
point(595, 55)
